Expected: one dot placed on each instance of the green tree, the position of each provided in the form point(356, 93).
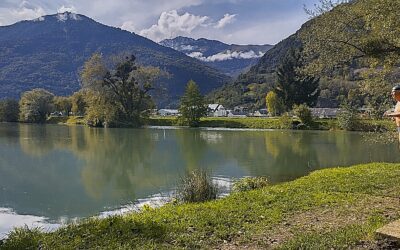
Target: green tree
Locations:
point(274, 104)
point(192, 106)
point(63, 104)
point(122, 93)
point(357, 34)
point(292, 86)
point(36, 105)
point(9, 110)
point(303, 113)
point(79, 102)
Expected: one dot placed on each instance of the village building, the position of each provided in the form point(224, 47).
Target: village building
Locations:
point(168, 112)
point(217, 110)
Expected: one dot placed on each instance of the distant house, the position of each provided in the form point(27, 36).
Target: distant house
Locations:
point(261, 113)
point(168, 112)
point(216, 110)
point(324, 112)
point(240, 111)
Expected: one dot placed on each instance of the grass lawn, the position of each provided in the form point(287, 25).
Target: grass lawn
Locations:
point(333, 208)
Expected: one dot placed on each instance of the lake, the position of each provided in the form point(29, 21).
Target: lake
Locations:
point(51, 174)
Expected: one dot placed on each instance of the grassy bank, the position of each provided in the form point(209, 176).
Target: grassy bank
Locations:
point(274, 123)
point(333, 208)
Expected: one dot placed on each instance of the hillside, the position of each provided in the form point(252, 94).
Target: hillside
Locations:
point(251, 87)
point(230, 59)
point(49, 52)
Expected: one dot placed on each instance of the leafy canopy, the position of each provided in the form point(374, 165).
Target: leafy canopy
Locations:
point(192, 106)
point(36, 105)
point(120, 96)
point(292, 86)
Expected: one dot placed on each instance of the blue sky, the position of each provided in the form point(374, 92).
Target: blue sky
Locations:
point(230, 21)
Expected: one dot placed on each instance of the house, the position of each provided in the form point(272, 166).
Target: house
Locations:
point(261, 113)
point(168, 112)
point(216, 110)
point(324, 112)
point(240, 111)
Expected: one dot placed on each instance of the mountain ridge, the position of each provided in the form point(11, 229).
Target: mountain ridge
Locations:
point(48, 52)
point(232, 59)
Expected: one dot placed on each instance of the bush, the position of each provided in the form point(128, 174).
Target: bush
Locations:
point(23, 238)
point(285, 121)
point(9, 110)
point(197, 186)
point(250, 183)
point(303, 113)
point(347, 119)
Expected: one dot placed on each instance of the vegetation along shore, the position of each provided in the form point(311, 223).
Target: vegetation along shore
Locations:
point(332, 208)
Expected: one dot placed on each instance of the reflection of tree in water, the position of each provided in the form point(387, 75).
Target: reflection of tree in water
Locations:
point(192, 147)
point(280, 155)
point(116, 161)
point(37, 140)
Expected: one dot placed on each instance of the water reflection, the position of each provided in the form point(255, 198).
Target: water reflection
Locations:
point(60, 173)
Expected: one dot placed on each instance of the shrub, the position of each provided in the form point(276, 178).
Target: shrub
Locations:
point(303, 113)
point(250, 183)
point(196, 186)
point(9, 110)
point(347, 118)
point(23, 238)
point(285, 121)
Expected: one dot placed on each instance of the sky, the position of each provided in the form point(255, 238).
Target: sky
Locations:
point(229, 21)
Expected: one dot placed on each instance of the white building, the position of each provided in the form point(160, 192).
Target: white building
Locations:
point(168, 112)
point(216, 110)
point(324, 112)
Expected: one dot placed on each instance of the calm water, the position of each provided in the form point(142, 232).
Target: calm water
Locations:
point(54, 174)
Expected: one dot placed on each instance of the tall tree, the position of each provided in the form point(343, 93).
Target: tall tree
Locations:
point(274, 104)
point(79, 102)
point(123, 91)
point(63, 104)
point(9, 110)
point(192, 106)
point(292, 86)
point(36, 105)
point(363, 33)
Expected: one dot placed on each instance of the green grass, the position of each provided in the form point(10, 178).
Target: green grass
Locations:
point(333, 208)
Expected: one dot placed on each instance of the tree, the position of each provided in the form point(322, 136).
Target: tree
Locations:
point(79, 102)
point(121, 93)
point(303, 113)
point(362, 34)
point(292, 86)
point(63, 104)
point(274, 104)
point(192, 106)
point(9, 110)
point(36, 105)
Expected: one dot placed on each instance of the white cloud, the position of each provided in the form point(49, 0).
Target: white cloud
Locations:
point(63, 9)
point(22, 11)
point(227, 19)
point(129, 26)
point(171, 24)
point(226, 55)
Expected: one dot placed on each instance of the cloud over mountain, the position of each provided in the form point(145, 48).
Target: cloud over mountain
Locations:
point(227, 55)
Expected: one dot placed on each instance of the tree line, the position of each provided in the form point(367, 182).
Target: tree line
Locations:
point(114, 93)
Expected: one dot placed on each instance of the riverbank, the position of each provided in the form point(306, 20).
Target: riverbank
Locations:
point(332, 208)
point(366, 125)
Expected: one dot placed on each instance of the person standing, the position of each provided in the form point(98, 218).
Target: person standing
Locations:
point(396, 113)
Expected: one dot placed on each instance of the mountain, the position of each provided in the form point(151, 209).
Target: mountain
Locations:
point(49, 53)
point(231, 59)
point(250, 88)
